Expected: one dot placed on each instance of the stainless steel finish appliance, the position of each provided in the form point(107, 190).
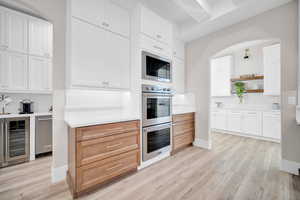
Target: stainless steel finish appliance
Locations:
point(43, 134)
point(26, 106)
point(157, 105)
point(156, 68)
point(14, 141)
point(157, 120)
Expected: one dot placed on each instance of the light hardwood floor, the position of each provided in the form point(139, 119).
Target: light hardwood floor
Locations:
point(237, 168)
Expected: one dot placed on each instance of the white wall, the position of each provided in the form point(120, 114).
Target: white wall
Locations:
point(42, 102)
point(281, 23)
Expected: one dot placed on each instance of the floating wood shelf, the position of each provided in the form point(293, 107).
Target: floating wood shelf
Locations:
point(255, 91)
point(248, 79)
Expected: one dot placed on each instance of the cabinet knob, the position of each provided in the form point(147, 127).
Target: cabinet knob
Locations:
point(159, 48)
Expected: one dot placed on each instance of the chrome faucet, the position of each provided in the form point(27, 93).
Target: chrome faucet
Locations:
point(4, 100)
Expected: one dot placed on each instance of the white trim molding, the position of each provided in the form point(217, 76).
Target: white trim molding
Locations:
point(59, 173)
point(290, 167)
point(202, 143)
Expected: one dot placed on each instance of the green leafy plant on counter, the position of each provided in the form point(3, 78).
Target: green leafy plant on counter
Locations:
point(240, 90)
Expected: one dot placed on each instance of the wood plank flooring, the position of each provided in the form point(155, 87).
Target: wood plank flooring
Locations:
point(236, 169)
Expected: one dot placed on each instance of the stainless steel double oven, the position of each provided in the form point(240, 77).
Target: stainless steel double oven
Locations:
point(157, 120)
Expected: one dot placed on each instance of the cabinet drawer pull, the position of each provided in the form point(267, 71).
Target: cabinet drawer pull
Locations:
point(113, 146)
point(114, 167)
point(158, 36)
point(105, 24)
point(159, 48)
point(106, 83)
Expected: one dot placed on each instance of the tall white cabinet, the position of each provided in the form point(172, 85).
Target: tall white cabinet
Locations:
point(220, 76)
point(179, 66)
point(19, 40)
point(272, 67)
point(100, 45)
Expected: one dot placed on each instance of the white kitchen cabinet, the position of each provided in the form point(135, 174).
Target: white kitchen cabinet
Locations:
point(178, 75)
point(40, 74)
point(220, 76)
point(272, 125)
point(99, 58)
point(3, 70)
point(3, 29)
point(40, 38)
point(252, 123)
point(155, 47)
point(104, 14)
point(17, 68)
point(17, 32)
point(219, 120)
point(234, 121)
point(155, 26)
point(178, 49)
point(272, 67)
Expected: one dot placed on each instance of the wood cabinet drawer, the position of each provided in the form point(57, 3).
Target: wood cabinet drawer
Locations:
point(183, 140)
point(99, 172)
point(183, 127)
point(93, 132)
point(183, 117)
point(98, 149)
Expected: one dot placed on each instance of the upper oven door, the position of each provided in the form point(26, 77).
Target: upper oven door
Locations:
point(156, 68)
point(157, 109)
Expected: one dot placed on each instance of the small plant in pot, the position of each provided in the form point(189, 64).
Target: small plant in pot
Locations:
point(240, 90)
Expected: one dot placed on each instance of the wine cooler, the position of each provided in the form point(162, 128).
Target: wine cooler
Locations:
point(14, 141)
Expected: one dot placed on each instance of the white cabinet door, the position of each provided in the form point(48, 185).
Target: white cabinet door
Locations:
point(156, 47)
point(235, 121)
point(117, 19)
point(272, 67)
point(3, 70)
point(17, 71)
point(219, 120)
point(99, 59)
point(117, 61)
point(272, 126)
point(40, 38)
point(220, 76)
point(178, 75)
point(179, 51)
point(39, 74)
point(155, 27)
point(91, 11)
point(251, 123)
point(3, 30)
point(17, 32)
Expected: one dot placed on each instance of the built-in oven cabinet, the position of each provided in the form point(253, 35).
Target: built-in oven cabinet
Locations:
point(183, 131)
point(178, 76)
point(156, 27)
point(155, 47)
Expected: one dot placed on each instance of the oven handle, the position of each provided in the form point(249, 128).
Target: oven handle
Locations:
point(158, 95)
point(157, 127)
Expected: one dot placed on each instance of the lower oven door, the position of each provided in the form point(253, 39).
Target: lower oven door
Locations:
point(156, 140)
point(157, 109)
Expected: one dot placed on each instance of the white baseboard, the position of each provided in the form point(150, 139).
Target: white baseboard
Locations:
point(59, 173)
point(154, 160)
point(202, 143)
point(290, 167)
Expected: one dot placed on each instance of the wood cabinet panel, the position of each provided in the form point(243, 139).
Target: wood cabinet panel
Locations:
point(183, 140)
point(181, 128)
point(98, 149)
point(99, 172)
point(93, 132)
point(183, 117)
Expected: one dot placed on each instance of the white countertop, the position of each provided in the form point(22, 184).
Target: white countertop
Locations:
point(15, 115)
point(246, 109)
point(298, 115)
point(182, 109)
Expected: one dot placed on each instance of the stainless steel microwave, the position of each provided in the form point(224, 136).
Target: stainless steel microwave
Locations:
point(156, 68)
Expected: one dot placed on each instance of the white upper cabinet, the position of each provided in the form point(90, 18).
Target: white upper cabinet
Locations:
point(39, 70)
point(3, 30)
point(40, 38)
point(178, 75)
point(155, 47)
point(104, 14)
point(178, 49)
point(220, 76)
point(17, 32)
point(3, 70)
point(99, 58)
point(17, 70)
point(272, 67)
point(155, 26)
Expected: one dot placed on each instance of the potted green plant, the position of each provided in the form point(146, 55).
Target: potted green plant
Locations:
point(240, 90)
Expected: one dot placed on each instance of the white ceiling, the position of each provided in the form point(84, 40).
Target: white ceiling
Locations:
point(196, 18)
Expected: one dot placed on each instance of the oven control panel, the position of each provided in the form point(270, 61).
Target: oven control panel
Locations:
point(156, 89)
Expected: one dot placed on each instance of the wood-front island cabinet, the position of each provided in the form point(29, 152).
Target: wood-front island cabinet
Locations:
point(183, 131)
point(98, 154)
